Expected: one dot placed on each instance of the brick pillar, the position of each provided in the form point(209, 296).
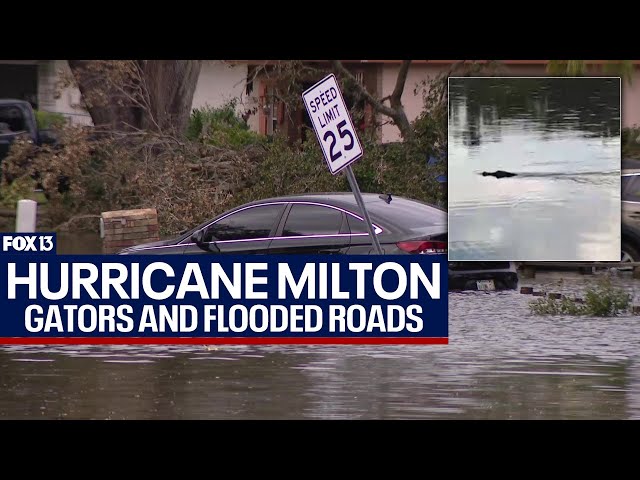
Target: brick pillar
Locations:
point(125, 228)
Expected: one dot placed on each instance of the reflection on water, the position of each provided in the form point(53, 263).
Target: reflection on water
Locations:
point(562, 138)
point(502, 363)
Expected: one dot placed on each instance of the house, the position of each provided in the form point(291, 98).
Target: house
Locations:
point(379, 76)
point(36, 81)
point(255, 90)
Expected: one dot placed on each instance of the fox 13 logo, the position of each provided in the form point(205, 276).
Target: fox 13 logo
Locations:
point(32, 243)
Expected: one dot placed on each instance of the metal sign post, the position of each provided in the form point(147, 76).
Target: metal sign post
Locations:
point(337, 137)
point(356, 192)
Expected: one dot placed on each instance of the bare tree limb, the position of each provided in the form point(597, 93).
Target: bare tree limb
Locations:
point(395, 111)
point(396, 96)
point(374, 102)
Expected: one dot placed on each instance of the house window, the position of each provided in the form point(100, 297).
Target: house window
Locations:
point(270, 111)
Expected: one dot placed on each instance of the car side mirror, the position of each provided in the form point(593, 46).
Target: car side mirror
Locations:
point(199, 239)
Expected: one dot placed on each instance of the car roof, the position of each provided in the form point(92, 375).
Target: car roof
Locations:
point(12, 101)
point(344, 199)
point(630, 165)
point(386, 210)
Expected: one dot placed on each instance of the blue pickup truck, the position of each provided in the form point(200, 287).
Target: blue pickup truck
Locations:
point(17, 118)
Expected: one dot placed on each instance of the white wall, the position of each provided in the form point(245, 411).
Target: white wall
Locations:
point(220, 82)
point(48, 72)
point(412, 103)
point(68, 99)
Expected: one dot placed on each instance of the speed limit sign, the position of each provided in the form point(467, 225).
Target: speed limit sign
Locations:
point(332, 124)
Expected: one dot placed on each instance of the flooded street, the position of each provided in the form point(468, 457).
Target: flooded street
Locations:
point(561, 137)
point(501, 363)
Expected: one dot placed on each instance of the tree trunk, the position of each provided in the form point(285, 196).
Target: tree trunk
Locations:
point(171, 85)
point(144, 94)
point(109, 112)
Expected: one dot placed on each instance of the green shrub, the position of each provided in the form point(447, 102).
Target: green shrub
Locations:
point(605, 300)
point(21, 189)
point(221, 126)
point(630, 147)
point(564, 306)
point(289, 170)
point(187, 182)
point(601, 300)
point(46, 120)
point(301, 168)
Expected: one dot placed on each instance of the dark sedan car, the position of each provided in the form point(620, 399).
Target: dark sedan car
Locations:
point(330, 223)
point(631, 217)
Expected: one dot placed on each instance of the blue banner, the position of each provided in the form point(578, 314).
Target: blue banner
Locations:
point(224, 298)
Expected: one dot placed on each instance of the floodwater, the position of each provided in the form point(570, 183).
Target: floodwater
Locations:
point(501, 363)
point(82, 243)
point(562, 138)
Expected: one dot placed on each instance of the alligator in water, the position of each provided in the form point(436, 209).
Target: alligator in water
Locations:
point(575, 176)
point(499, 174)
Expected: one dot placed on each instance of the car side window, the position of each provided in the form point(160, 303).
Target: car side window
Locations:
point(250, 223)
point(356, 225)
point(312, 220)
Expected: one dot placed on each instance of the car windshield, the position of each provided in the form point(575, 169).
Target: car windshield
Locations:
point(409, 214)
point(631, 188)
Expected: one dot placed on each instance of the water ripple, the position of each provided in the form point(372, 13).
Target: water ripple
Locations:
point(502, 362)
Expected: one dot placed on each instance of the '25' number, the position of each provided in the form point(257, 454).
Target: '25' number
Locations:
point(330, 136)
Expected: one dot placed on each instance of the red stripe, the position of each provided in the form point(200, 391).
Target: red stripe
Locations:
point(222, 341)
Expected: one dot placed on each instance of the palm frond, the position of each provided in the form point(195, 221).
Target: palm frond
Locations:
point(623, 68)
point(570, 68)
point(579, 68)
